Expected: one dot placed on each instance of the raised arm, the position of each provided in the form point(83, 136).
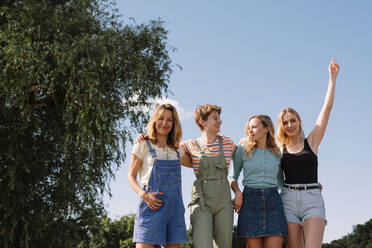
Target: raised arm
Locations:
point(317, 134)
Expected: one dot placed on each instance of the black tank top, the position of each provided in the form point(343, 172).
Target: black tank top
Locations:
point(301, 167)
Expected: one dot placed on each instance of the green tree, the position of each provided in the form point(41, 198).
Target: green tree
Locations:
point(72, 80)
point(107, 233)
point(188, 244)
point(361, 237)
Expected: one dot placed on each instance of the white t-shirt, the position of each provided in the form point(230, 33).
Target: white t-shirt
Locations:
point(141, 150)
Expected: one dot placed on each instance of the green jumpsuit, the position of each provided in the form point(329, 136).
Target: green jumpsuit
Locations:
point(211, 209)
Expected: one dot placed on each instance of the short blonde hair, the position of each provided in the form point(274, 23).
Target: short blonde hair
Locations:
point(202, 113)
point(249, 146)
point(281, 136)
point(175, 135)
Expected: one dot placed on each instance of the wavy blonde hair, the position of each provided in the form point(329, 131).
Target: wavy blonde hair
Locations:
point(281, 136)
point(249, 145)
point(175, 135)
point(202, 113)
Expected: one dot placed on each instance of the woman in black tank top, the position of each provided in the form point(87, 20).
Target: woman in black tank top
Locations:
point(300, 166)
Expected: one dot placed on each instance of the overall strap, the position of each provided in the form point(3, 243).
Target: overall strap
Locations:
point(152, 151)
point(223, 164)
point(202, 152)
point(178, 154)
point(220, 145)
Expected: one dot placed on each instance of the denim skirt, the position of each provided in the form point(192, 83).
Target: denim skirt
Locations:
point(261, 214)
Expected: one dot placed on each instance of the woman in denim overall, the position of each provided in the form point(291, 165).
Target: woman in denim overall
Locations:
point(211, 209)
point(160, 216)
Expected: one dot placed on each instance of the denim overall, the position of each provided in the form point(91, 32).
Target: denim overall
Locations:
point(211, 209)
point(166, 225)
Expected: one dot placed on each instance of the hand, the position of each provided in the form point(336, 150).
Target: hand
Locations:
point(320, 186)
point(242, 140)
point(333, 69)
point(238, 201)
point(151, 200)
point(141, 137)
point(276, 148)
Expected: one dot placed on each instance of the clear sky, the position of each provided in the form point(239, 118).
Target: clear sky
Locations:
point(257, 57)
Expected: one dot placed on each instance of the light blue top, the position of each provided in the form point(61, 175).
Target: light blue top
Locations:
point(261, 171)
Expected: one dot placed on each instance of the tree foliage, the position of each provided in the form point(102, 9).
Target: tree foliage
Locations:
point(72, 80)
point(107, 233)
point(189, 243)
point(361, 237)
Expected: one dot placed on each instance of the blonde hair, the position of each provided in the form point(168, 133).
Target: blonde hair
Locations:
point(202, 113)
point(249, 145)
point(175, 135)
point(281, 136)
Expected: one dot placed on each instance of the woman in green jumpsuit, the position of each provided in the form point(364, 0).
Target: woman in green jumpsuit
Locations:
point(211, 209)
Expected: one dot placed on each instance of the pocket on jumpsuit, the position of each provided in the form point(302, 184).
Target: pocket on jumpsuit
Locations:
point(143, 208)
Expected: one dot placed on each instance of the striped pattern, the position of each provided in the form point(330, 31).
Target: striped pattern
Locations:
point(211, 149)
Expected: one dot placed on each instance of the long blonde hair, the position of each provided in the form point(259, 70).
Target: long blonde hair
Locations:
point(281, 136)
point(175, 135)
point(249, 145)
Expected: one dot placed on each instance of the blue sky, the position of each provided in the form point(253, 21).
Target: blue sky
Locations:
point(257, 57)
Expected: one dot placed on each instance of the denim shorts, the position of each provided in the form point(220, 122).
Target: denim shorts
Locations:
point(261, 214)
point(300, 205)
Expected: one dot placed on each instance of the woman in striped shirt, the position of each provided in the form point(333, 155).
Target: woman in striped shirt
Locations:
point(211, 209)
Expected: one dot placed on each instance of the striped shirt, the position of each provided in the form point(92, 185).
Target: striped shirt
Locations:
point(210, 149)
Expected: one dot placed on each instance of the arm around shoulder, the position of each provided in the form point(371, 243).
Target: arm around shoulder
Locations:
point(185, 156)
point(186, 160)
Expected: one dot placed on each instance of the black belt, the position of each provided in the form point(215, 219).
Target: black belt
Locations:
point(302, 187)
